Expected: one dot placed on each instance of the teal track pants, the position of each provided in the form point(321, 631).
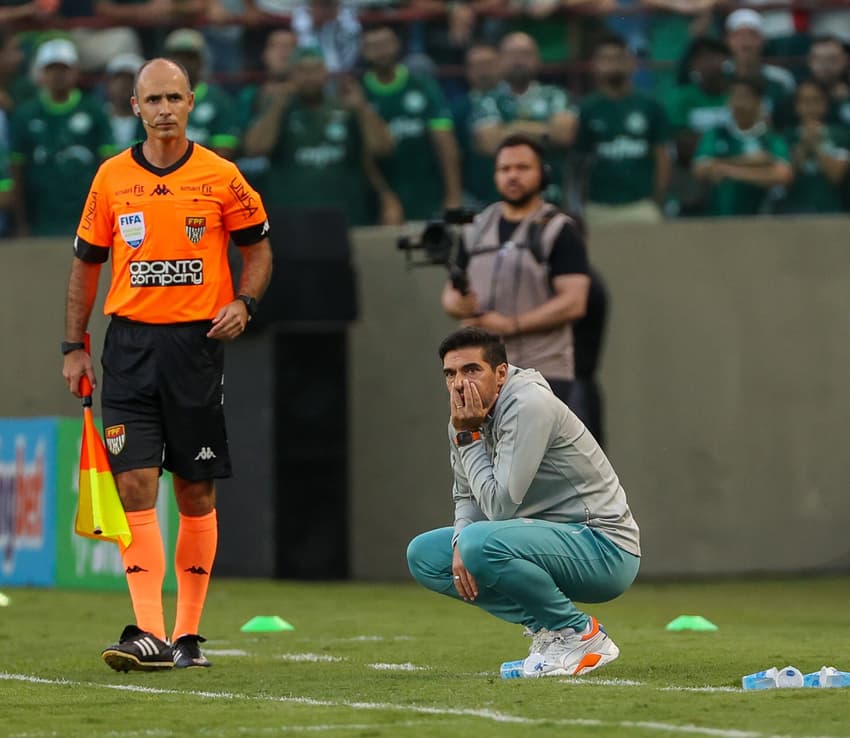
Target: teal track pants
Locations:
point(528, 571)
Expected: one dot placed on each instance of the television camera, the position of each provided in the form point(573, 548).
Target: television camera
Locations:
point(440, 242)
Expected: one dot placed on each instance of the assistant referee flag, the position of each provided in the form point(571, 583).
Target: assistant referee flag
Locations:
point(100, 514)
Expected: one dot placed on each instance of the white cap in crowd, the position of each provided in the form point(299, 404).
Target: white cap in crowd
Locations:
point(185, 39)
point(56, 51)
point(126, 63)
point(745, 18)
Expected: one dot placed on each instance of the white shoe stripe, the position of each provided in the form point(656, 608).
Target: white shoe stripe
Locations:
point(147, 646)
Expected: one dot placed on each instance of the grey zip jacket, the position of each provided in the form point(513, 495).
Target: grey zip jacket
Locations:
point(537, 460)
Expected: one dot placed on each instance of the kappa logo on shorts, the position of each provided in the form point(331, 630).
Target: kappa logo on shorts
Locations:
point(205, 454)
point(195, 227)
point(115, 436)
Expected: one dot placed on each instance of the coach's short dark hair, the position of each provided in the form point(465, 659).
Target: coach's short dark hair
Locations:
point(494, 348)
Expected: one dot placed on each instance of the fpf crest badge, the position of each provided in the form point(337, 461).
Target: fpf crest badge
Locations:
point(195, 228)
point(115, 438)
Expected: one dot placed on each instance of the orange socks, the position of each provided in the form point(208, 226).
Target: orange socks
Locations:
point(197, 539)
point(144, 565)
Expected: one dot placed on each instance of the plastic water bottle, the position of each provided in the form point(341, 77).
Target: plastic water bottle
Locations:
point(760, 680)
point(827, 677)
point(512, 669)
point(812, 679)
point(834, 678)
point(789, 678)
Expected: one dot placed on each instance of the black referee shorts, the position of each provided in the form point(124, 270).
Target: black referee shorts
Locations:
point(163, 399)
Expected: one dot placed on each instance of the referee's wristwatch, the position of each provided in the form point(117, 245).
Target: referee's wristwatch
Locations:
point(69, 346)
point(250, 304)
point(464, 438)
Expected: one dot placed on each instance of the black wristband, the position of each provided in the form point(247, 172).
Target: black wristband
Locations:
point(69, 346)
point(250, 304)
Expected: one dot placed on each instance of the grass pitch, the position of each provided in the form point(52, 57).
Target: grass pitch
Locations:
point(395, 660)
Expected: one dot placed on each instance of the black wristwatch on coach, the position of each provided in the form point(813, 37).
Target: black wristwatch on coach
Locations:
point(465, 437)
point(250, 303)
point(69, 346)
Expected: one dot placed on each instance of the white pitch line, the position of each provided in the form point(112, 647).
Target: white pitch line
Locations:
point(602, 682)
point(397, 667)
point(700, 689)
point(335, 726)
point(484, 714)
point(369, 639)
point(311, 657)
point(252, 730)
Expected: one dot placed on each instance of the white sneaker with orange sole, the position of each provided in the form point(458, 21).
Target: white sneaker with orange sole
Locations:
point(571, 653)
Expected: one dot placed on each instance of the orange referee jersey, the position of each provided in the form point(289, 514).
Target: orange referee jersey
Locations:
point(168, 231)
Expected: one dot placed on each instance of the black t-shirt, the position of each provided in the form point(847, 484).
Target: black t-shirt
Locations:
point(568, 255)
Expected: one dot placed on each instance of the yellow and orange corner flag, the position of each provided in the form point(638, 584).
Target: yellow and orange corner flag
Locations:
point(100, 514)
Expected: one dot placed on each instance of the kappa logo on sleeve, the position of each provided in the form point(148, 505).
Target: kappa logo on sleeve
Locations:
point(132, 227)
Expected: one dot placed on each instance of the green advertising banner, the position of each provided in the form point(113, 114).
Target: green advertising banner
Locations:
point(84, 563)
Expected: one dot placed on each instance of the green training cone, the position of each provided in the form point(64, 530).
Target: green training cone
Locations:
point(691, 622)
point(266, 624)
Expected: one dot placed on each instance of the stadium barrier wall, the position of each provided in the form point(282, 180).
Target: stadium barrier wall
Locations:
point(39, 467)
point(725, 376)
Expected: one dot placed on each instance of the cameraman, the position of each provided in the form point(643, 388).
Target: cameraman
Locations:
point(527, 269)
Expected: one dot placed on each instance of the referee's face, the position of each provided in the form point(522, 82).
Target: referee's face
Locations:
point(164, 99)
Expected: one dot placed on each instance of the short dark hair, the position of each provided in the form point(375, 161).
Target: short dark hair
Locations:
point(755, 84)
point(707, 45)
point(811, 82)
point(494, 349)
point(610, 39)
point(475, 45)
point(520, 139)
point(827, 38)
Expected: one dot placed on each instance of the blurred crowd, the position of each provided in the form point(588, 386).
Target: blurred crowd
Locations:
point(392, 111)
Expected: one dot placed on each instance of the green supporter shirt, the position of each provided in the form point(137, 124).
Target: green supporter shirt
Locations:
point(213, 122)
point(317, 163)
point(690, 108)
point(669, 36)
point(729, 197)
point(412, 107)
point(255, 168)
point(621, 135)
point(811, 191)
point(6, 181)
point(839, 112)
point(481, 108)
point(539, 103)
point(60, 147)
point(5, 173)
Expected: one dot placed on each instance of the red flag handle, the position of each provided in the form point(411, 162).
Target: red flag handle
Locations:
point(85, 384)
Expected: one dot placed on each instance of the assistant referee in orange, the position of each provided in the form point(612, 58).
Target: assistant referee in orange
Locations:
point(164, 211)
